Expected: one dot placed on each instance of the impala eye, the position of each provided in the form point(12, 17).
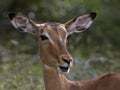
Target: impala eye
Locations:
point(43, 37)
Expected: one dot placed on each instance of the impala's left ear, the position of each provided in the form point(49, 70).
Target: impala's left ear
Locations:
point(80, 23)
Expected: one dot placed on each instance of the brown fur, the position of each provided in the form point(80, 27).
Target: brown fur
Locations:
point(51, 52)
point(57, 81)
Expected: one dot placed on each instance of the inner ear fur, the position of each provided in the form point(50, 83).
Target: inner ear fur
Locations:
point(80, 23)
point(22, 23)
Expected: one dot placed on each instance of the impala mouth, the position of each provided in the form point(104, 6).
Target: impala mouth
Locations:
point(64, 68)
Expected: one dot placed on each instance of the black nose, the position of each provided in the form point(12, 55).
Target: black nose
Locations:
point(67, 60)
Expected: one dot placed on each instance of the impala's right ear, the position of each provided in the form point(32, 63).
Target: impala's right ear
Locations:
point(22, 23)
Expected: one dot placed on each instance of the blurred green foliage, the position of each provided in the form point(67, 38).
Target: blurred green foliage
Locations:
point(98, 48)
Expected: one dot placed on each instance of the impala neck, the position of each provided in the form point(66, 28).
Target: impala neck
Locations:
point(54, 80)
point(57, 81)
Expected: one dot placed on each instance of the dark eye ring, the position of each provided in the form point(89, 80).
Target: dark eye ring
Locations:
point(43, 37)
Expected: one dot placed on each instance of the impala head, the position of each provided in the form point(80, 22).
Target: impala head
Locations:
point(52, 38)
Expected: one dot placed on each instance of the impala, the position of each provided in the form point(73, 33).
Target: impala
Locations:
point(56, 60)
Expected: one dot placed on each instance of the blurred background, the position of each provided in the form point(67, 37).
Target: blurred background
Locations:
point(95, 51)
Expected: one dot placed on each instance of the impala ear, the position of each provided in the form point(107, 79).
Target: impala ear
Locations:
point(80, 23)
point(22, 23)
